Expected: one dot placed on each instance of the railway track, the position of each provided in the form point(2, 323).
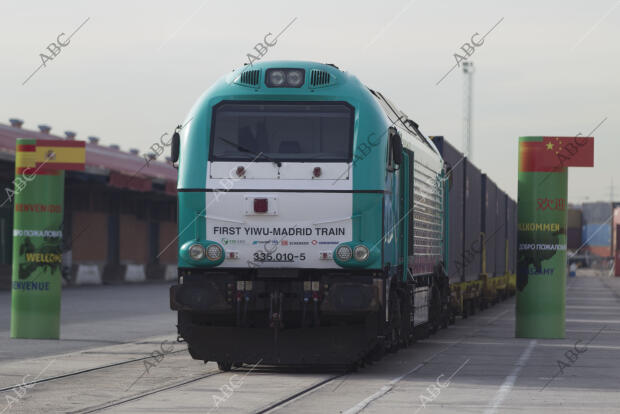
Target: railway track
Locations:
point(300, 394)
point(304, 392)
point(83, 371)
point(270, 407)
point(385, 389)
point(143, 394)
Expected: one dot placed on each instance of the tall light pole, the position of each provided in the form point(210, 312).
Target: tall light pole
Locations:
point(468, 70)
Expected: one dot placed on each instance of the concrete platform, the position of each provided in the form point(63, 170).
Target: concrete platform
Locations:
point(94, 316)
point(474, 366)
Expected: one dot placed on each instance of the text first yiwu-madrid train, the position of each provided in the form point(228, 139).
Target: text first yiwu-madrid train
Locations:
point(317, 225)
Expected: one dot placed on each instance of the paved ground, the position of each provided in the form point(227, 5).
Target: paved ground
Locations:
point(475, 366)
point(95, 316)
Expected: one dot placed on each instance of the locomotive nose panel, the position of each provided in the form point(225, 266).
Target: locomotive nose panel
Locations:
point(297, 230)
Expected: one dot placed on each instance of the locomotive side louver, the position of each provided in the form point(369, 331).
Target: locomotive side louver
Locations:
point(249, 78)
point(320, 78)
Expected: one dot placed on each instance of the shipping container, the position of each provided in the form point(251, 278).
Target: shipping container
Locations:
point(573, 236)
point(614, 229)
point(512, 237)
point(596, 228)
point(616, 240)
point(598, 234)
point(456, 207)
point(499, 235)
point(598, 212)
point(574, 218)
point(488, 220)
point(601, 251)
point(473, 226)
point(509, 230)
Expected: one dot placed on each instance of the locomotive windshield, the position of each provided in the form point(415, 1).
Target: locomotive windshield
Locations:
point(279, 131)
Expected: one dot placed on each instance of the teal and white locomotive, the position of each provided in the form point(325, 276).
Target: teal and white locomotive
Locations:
point(311, 221)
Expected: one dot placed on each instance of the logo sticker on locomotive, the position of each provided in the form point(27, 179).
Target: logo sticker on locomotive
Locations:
point(226, 241)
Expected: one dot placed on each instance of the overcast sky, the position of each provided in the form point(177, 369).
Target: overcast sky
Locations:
point(134, 69)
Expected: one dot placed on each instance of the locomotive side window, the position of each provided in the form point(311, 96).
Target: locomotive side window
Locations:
point(282, 132)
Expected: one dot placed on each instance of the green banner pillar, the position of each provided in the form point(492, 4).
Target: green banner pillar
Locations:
point(541, 258)
point(37, 248)
point(541, 232)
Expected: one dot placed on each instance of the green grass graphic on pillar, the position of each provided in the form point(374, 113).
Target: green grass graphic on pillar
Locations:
point(542, 220)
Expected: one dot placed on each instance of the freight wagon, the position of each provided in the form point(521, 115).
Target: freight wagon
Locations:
point(318, 225)
point(481, 233)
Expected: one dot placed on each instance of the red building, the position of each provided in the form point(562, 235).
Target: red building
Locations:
point(119, 213)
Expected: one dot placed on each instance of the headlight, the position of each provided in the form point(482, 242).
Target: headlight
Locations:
point(277, 77)
point(214, 252)
point(361, 253)
point(295, 78)
point(196, 251)
point(344, 253)
point(285, 78)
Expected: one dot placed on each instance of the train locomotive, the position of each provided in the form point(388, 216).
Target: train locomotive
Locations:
point(318, 225)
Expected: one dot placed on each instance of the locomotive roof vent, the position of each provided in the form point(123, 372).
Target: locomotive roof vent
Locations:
point(320, 78)
point(249, 78)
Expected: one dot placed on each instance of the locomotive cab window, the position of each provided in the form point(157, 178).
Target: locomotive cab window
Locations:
point(282, 131)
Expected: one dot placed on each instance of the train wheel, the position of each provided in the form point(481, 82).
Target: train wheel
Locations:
point(352, 367)
point(224, 365)
point(422, 331)
point(377, 353)
point(435, 314)
point(394, 341)
point(405, 341)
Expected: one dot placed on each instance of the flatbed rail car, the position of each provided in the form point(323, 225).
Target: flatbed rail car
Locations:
point(311, 221)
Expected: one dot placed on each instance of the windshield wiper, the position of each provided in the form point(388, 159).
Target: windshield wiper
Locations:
point(256, 154)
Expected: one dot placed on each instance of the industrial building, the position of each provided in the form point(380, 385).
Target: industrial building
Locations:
point(119, 213)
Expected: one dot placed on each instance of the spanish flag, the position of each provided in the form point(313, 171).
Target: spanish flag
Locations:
point(46, 156)
point(553, 154)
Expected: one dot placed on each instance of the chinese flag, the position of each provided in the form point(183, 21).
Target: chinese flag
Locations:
point(552, 154)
